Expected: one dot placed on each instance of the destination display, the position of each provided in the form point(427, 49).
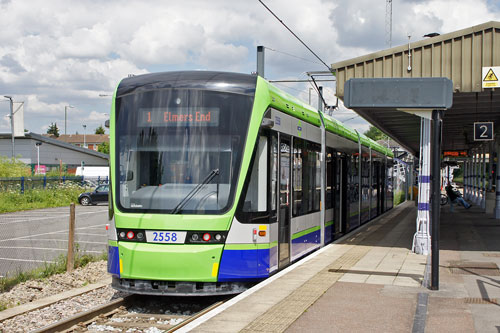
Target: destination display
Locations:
point(179, 116)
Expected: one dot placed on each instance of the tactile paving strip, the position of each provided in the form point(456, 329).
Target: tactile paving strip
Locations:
point(283, 314)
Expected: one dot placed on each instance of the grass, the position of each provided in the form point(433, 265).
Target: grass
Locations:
point(59, 195)
point(46, 271)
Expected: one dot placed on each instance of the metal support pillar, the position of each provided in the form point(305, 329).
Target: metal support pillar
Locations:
point(370, 175)
point(260, 61)
point(474, 177)
point(469, 178)
point(483, 177)
point(411, 178)
point(478, 177)
point(497, 187)
point(466, 189)
point(490, 166)
point(436, 195)
point(422, 238)
point(407, 171)
point(469, 185)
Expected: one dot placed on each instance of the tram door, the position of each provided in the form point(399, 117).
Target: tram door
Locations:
point(344, 202)
point(284, 202)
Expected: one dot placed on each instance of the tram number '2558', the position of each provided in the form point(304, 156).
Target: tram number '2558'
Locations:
point(165, 236)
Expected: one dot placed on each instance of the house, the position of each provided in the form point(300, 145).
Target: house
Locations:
point(90, 141)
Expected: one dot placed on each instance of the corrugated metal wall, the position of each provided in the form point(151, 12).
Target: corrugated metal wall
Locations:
point(458, 56)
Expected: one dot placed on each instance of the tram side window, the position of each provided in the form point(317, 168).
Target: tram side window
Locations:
point(306, 177)
point(297, 176)
point(256, 196)
point(274, 171)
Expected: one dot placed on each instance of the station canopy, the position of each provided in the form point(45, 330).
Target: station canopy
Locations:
point(469, 57)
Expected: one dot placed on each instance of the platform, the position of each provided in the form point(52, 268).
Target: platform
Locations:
point(371, 281)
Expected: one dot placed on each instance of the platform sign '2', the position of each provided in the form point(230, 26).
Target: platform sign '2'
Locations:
point(483, 131)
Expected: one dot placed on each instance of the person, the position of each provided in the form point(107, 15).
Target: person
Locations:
point(455, 197)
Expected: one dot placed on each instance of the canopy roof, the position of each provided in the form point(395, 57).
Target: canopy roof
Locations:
point(459, 56)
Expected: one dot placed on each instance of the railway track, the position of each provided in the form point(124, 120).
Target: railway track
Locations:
point(137, 313)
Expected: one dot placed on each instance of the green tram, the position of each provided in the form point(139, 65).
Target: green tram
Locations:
point(216, 182)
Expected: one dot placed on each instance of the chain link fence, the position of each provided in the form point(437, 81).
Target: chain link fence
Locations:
point(31, 239)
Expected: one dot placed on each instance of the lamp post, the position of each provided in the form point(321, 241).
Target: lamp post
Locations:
point(12, 123)
point(84, 134)
point(38, 144)
point(66, 116)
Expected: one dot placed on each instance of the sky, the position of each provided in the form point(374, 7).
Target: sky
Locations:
point(67, 53)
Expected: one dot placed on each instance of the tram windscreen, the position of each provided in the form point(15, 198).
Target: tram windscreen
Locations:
point(180, 151)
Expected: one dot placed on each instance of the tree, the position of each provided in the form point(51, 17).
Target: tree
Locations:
point(99, 130)
point(53, 129)
point(375, 134)
point(103, 148)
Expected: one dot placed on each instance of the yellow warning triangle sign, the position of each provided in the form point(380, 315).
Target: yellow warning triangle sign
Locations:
point(490, 76)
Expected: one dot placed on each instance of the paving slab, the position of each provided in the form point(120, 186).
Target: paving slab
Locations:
point(370, 281)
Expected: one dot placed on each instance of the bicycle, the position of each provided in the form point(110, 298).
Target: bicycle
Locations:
point(444, 199)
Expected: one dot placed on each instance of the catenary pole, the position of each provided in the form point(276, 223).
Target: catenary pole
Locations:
point(323, 168)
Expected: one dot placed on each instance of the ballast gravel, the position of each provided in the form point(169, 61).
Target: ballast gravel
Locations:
point(37, 289)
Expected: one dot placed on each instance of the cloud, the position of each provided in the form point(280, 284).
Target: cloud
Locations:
point(8, 62)
point(68, 52)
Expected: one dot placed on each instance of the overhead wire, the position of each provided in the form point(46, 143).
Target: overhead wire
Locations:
point(297, 37)
point(292, 55)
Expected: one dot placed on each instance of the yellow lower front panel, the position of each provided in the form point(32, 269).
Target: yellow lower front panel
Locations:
point(197, 263)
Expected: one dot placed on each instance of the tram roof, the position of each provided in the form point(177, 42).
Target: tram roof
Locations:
point(459, 56)
point(287, 103)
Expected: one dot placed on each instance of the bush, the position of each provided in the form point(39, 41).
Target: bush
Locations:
point(57, 195)
point(12, 167)
point(399, 197)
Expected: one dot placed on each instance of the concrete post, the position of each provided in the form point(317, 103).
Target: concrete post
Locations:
point(497, 187)
point(422, 238)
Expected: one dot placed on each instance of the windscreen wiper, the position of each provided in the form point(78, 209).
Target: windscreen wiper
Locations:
point(192, 193)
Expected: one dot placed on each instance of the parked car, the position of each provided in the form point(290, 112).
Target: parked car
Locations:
point(100, 194)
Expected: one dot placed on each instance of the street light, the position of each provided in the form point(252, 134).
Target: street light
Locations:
point(12, 123)
point(38, 144)
point(65, 116)
point(84, 133)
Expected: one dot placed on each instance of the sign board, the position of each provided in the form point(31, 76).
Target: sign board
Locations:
point(40, 170)
point(429, 93)
point(455, 153)
point(490, 77)
point(483, 131)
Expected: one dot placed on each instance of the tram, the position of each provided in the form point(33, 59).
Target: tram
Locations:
point(216, 182)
